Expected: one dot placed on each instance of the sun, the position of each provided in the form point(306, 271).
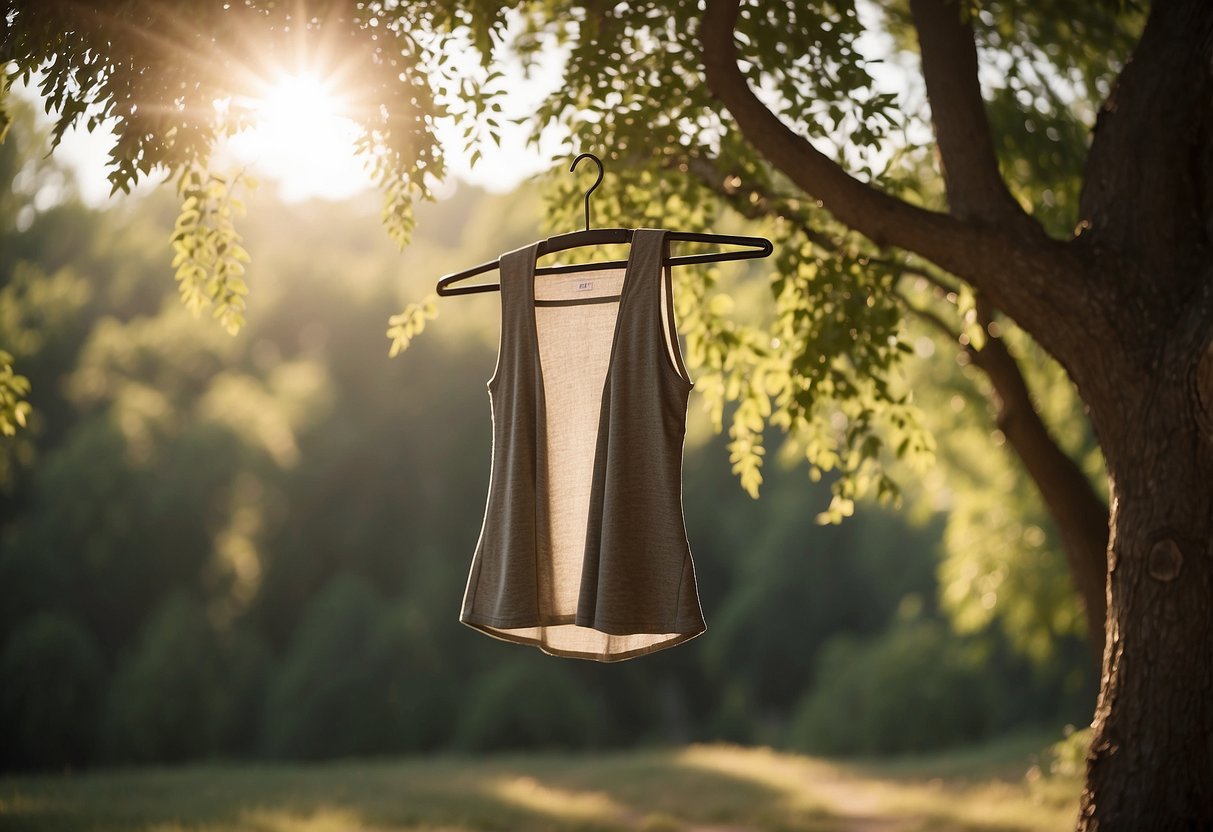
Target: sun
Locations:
point(296, 98)
point(301, 137)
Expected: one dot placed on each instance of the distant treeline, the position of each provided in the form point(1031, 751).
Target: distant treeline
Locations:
point(257, 546)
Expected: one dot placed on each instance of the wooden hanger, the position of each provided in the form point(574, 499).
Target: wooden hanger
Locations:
point(756, 247)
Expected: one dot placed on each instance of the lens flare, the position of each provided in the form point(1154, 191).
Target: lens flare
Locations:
point(301, 137)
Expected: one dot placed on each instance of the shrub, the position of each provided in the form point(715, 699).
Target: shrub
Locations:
point(51, 676)
point(350, 682)
point(913, 688)
point(528, 702)
point(184, 690)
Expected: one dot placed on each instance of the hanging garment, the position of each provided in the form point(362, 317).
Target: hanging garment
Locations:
point(583, 551)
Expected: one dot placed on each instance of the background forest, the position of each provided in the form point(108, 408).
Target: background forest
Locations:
point(256, 546)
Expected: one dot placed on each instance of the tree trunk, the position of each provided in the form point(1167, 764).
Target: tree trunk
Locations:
point(1151, 761)
point(1147, 211)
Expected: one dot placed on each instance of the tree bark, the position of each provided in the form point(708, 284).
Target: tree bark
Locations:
point(1151, 759)
point(1148, 231)
point(975, 187)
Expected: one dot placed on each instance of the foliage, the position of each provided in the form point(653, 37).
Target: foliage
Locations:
point(208, 256)
point(1001, 549)
point(1068, 756)
point(14, 409)
point(410, 323)
point(1057, 66)
point(1002, 562)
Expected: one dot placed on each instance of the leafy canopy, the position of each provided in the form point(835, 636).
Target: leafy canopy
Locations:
point(822, 360)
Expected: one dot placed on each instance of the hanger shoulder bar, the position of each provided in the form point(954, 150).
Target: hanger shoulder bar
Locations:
point(758, 247)
point(592, 237)
point(444, 284)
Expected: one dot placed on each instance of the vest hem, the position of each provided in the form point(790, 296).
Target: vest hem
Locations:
point(480, 624)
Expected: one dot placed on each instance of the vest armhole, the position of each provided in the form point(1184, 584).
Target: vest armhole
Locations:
point(502, 319)
point(669, 326)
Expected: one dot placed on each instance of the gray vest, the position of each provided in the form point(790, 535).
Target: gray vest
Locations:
point(583, 551)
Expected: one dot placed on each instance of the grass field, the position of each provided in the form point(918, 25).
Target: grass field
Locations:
point(698, 788)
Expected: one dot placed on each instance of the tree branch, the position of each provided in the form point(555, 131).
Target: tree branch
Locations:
point(949, 66)
point(927, 316)
point(1034, 279)
point(766, 203)
point(1079, 513)
point(753, 201)
point(1150, 212)
point(943, 287)
point(879, 216)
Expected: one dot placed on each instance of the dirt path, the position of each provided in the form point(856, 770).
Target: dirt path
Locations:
point(855, 804)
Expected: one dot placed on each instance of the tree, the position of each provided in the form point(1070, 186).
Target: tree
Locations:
point(1099, 248)
point(52, 672)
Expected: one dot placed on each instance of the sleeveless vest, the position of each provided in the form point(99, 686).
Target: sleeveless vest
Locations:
point(583, 550)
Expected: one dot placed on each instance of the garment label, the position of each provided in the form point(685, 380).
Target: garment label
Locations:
point(585, 285)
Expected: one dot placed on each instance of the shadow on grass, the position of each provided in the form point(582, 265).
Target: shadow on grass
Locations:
point(699, 788)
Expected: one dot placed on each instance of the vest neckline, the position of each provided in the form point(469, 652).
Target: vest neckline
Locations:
point(639, 237)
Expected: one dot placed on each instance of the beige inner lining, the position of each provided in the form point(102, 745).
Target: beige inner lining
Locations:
point(575, 344)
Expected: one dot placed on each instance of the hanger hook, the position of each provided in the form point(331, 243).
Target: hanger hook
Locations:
point(597, 182)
